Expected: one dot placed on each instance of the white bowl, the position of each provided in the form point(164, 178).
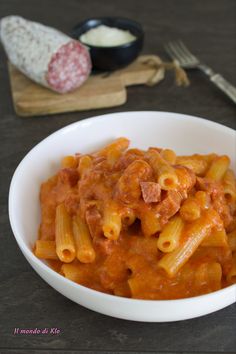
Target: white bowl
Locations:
point(185, 134)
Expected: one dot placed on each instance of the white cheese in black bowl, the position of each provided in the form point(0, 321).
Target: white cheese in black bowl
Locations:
point(113, 42)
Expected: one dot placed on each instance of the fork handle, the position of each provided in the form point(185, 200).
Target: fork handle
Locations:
point(224, 86)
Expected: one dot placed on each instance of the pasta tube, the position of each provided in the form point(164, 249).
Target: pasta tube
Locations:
point(72, 272)
point(128, 216)
point(203, 199)
point(136, 286)
point(150, 222)
point(169, 155)
point(46, 249)
point(216, 239)
point(209, 274)
point(169, 238)
point(112, 157)
point(120, 144)
point(111, 222)
point(197, 163)
point(229, 183)
point(84, 248)
point(232, 240)
point(165, 173)
point(85, 162)
point(218, 168)
point(195, 234)
point(69, 162)
point(190, 210)
point(65, 246)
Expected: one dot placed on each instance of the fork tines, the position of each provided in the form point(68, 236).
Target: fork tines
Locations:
point(178, 51)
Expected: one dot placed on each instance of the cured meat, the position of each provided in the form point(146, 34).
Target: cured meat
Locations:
point(128, 186)
point(44, 54)
point(69, 176)
point(151, 192)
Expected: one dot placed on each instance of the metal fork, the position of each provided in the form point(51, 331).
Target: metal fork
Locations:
point(183, 57)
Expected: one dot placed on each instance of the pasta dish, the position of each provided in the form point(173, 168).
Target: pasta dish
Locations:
point(141, 224)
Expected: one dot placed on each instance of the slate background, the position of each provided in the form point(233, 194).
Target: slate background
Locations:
point(209, 28)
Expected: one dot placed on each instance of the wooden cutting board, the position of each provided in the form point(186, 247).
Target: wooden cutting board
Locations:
point(99, 91)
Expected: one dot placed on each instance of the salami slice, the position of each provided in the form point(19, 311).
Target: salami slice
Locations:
point(151, 192)
point(44, 54)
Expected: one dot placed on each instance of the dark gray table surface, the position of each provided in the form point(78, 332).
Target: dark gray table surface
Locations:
point(209, 28)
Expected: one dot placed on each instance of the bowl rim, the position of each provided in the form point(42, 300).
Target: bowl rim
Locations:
point(26, 251)
point(138, 38)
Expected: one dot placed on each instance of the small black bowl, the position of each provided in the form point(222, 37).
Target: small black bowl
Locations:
point(112, 58)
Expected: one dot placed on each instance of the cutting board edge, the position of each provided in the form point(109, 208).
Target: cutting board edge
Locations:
point(121, 98)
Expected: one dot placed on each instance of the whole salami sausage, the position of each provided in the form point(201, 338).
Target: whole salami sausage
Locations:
point(44, 54)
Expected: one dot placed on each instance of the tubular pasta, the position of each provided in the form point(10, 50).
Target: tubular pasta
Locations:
point(203, 199)
point(65, 246)
point(197, 163)
point(229, 186)
point(210, 274)
point(120, 144)
point(46, 249)
point(169, 155)
point(190, 210)
point(232, 240)
point(128, 216)
point(85, 163)
point(169, 238)
point(165, 173)
point(195, 234)
point(72, 272)
point(144, 224)
point(150, 222)
point(218, 168)
point(69, 162)
point(216, 239)
point(111, 222)
point(85, 252)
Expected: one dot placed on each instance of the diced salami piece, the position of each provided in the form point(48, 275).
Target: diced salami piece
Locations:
point(128, 186)
point(169, 206)
point(151, 192)
point(44, 54)
point(69, 176)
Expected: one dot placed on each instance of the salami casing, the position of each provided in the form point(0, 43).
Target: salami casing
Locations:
point(44, 54)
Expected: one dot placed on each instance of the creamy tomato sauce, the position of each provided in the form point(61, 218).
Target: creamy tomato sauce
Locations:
point(129, 265)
